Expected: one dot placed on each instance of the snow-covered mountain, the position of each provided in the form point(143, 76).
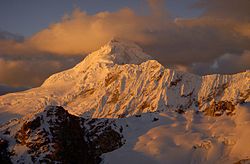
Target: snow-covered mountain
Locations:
point(120, 80)
point(120, 94)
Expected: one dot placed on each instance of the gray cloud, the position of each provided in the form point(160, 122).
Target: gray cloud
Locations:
point(227, 9)
point(226, 64)
point(5, 35)
point(4, 89)
point(32, 71)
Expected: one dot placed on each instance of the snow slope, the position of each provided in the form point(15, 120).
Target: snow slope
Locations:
point(169, 137)
point(120, 80)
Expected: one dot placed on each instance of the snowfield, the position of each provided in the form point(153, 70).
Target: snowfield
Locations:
point(193, 138)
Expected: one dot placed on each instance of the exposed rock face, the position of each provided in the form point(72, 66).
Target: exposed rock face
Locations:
point(219, 108)
point(57, 136)
point(103, 135)
point(243, 161)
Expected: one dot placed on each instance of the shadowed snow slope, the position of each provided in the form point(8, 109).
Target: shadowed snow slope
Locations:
point(120, 80)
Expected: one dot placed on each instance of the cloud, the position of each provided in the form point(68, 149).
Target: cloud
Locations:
point(30, 72)
point(234, 13)
point(157, 8)
point(179, 41)
point(5, 35)
point(226, 64)
point(226, 9)
point(4, 89)
point(83, 33)
point(185, 44)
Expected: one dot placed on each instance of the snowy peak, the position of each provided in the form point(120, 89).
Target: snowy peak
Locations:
point(125, 52)
point(118, 51)
point(98, 64)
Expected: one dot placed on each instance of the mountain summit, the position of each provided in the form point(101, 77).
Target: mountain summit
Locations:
point(115, 52)
point(118, 51)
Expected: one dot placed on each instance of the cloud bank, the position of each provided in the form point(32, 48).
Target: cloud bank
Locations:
point(206, 44)
point(9, 89)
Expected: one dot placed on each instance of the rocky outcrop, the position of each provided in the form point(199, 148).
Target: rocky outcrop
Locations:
point(57, 136)
point(243, 161)
point(4, 153)
point(219, 108)
point(103, 135)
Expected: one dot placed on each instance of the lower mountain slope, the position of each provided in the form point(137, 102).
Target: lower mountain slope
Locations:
point(191, 137)
point(55, 136)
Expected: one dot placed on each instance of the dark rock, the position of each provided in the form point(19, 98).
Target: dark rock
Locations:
point(7, 132)
point(219, 108)
point(4, 153)
point(180, 111)
point(175, 82)
point(66, 138)
point(101, 137)
point(63, 140)
point(243, 161)
point(121, 129)
point(155, 119)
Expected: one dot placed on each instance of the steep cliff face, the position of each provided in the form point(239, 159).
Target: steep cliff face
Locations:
point(120, 80)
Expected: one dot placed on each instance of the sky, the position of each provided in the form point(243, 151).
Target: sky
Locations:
point(27, 17)
point(41, 37)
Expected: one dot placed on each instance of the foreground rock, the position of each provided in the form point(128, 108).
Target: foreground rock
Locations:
point(57, 136)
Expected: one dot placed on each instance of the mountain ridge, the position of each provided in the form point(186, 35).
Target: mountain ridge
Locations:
point(108, 84)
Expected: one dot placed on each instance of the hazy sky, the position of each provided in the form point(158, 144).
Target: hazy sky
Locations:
point(198, 36)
